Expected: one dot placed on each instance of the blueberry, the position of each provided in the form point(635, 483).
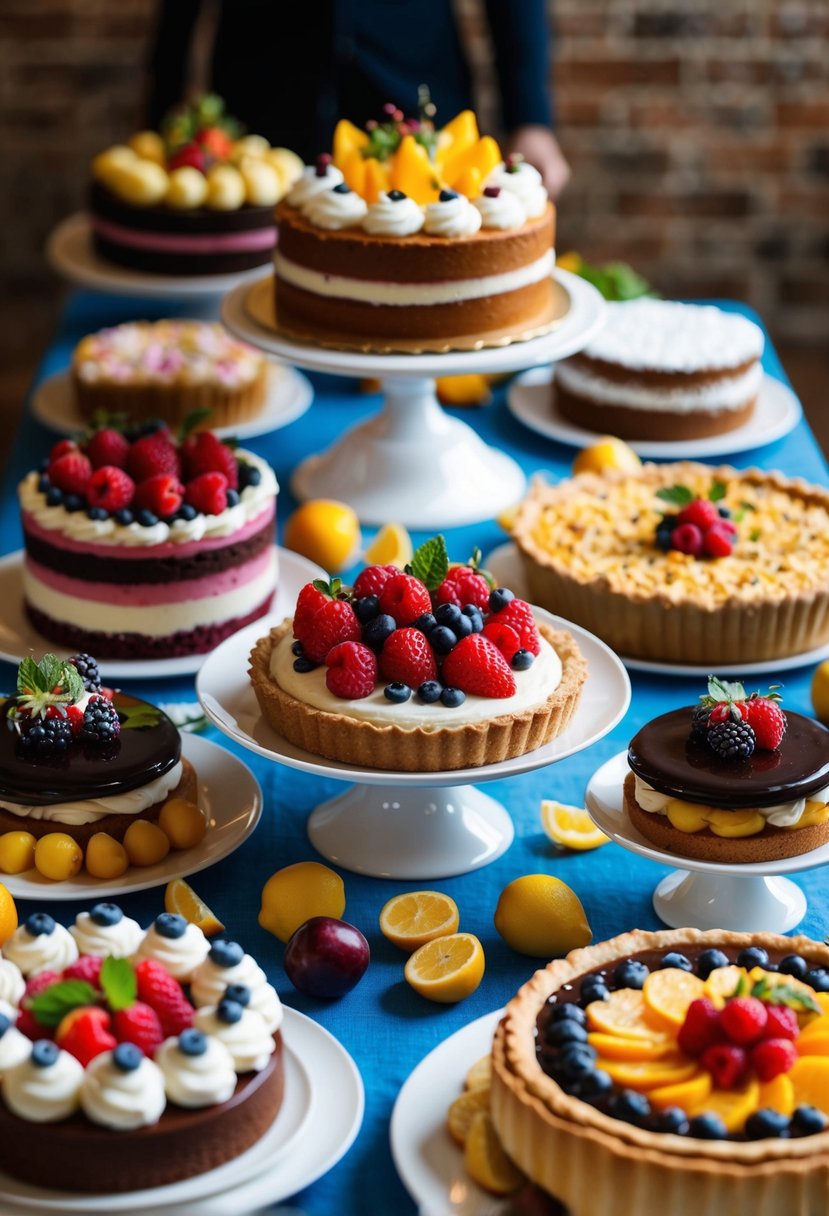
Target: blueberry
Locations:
point(448, 614)
point(452, 698)
point(630, 1107)
point(807, 1121)
point(464, 627)
point(446, 196)
point(766, 1123)
point(396, 196)
point(752, 956)
point(240, 993)
point(818, 978)
point(45, 1053)
point(522, 660)
point(366, 608)
point(146, 518)
point(567, 1031)
point(793, 964)
point(442, 639)
point(474, 615)
point(97, 513)
point(169, 925)
point(377, 630)
point(297, 649)
point(5, 1023)
point(303, 664)
point(593, 1085)
point(563, 1013)
point(192, 1042)
point(397, 692)
point(574, 1060)
point(724, 512)
point(630, 974)
point(43, 483)
point(106, 914)
point(232, 498)
point(127, 1057)
point(430, 691)
point(674, 959)
point(186, 512)
point(341, 188)
point(709, 961)
point(229, 1012)
point(73, 502)
point(672, 1121)
point(226, 954)
point(40, 924)
point(124, 516)
point(54, 497)
point(707, 1127)
point(499, 598)
point(425, 623)
point(594, 992)
point(248, 475)
point(664, 532)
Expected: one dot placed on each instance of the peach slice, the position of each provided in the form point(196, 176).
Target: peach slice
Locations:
point(810, 1078)
point(469, 182)
point(483, 156)
point(778, 1094)
point(644, 1075)
point(813, 1045)
point(732, 1105)
point(461, 131)
point(413, 173)
point(347, 139)
point(669, 992)
point(686, 1094)
point(376, 179)
point(624, 1014)
point(611, 1047)
point(818, 1028)
point(354, 171)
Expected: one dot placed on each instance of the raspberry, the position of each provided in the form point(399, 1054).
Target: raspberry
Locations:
point(308, 604)
point(405, 598)
point(372, 580)
point(43, 979)
point(352, 671)
point(28, 1024)
point(503, 637)
point(767, 720)
point(463, 586)
point(204, 453)
point(87, 967)
point(70, 473)
point(141, 1025)
point(519, 616)
point(408, 658)
point(727, 1064)
point(191, 154)
point(731, 740)
point(700, 1029)
point(110, 487)
point(719, 540)
point(62, 448)
point(153, 454)
point(85, 1033)
point(744, 1019)
point(108, 447)
point(161, 494)
point(207, 493)
point(335, 622)
point(782, 1023)
point(701, 512)
point(476, 666)
point(687, 538)
point(773, 1056)
point(74, 714)
point(158, 989)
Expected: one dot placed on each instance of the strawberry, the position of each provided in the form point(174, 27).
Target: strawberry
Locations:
point(408, 658)
point(701, 512)
point(700, 1029)
point(504, 637)
point(405, 598)
point(727, 1064)
point(161, 494)
point(461, 586)
point(372, 580)
point(190, 155)
point(308, 604)
point(64, 447)
point(141, 1025)
point(782, 1023)
point(158, 989)
point(207, 493)
point(110, 487)
point(352, 671)
point(153, 454)
point(28, 1024)
point(204, 453)
point(476, 666)
point(85, 1033)
point(75, 715)
point(519, 616)
point(773, 1056)
point(216, 141)
point(728, 711)
point(70, 473)
point(767, 720)
point(108, 447)
point(744, 1019)
point(335, 622)
point(87, 967)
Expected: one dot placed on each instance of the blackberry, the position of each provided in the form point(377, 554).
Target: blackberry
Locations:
point(732, 740)
point(87, 669)
point(46, 737)
point(100, 722)
point(699, 724)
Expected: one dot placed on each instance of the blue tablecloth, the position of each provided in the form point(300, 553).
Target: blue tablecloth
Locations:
point(388, 1028)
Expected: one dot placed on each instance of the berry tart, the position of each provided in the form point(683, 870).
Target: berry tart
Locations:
point(166, 370)
point(133, 1079)
point(194, 198)
point(414, 239)
point(80, 759)
point(683, 563)
point(421, 670)
point(143, 544)
point(686, 1069)
point(734, 779)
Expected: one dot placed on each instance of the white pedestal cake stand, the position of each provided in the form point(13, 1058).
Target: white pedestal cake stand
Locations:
point(704, 894)
point(408, 825)
point(412, 462)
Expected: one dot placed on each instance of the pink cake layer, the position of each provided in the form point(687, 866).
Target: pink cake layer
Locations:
point(231, 242)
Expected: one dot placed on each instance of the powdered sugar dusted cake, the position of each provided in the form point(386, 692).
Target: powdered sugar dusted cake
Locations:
point(663, 370)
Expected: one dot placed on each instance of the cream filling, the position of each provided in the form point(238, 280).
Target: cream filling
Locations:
point(730, 393)
point(782, 815)
point(534, 686)
point(133, 802)
point(447, 291)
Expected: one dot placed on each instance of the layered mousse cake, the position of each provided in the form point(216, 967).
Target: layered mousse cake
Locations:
point(195, 198)
point(141, 545)
point(664, 371)
point(734, 779)
point(131, 1059)
point(419, 671)
point(415, 239)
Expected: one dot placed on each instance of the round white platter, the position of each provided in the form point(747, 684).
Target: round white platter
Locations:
point(778, 411)
point(318, 1121)
point(19, 638)
point(408, 825)
point(231, 798)
point(289, 394)
point(704, 894)
point(505, 564)
point(412, 462)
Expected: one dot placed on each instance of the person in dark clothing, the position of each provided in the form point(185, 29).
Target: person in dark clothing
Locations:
point(290, 69)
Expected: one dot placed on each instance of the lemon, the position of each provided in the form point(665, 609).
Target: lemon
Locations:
point(8, 914)
point(412, 920)
point(180, 898)
point(485, 1159)
point(570, 261)
point(471, 389)
point(392, 546)
point(447, 969)
point(539, 915)
point(296, 893)
point(608, 453)
point(820, 692)
point(326, 532)
point(571, 826)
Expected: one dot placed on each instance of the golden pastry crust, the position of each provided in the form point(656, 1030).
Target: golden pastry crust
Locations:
point(350, 741)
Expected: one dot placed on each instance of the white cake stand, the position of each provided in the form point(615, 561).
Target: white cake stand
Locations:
point(705, 894)
point(412, 462)
point(408, 825)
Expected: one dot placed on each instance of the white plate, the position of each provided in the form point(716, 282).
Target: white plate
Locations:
point(289, 394)
point(227, 698)
point(19, 638)
point(229, 794)
point(316, 1125)
point(777, 412)
point(428, 1161)
point(70, 252)
point(505, 565)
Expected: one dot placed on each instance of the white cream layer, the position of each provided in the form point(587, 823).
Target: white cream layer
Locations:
point(533, 688)
point(729, 393)
point(133, 802)
point(783, 815)
point(447, 291)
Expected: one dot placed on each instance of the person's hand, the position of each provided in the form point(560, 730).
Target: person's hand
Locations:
point(540, 148)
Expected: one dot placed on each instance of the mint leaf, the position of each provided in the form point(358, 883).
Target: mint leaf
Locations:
point(52, 1004)
point(430, 562)
point(742, 987)
point(784, 994)
point(29, 677)
point(118, 983)
point(137, 717)
point(677, 496)
point(192, 420)
point(717, 491)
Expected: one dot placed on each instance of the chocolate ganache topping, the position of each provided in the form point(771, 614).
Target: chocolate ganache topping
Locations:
point(663, 755)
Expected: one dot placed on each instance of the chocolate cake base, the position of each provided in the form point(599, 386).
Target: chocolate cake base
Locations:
point(661, 425)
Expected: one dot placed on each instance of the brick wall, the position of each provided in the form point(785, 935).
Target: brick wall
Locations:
point(698, 132)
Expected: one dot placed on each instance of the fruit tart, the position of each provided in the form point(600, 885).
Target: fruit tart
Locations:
point(682, 1071)
point(420, 670)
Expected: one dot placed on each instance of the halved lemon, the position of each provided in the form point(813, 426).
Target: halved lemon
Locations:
point(447, 969)
point(418, 917)
point(392, 546)
point(571, 826)
point(181, 899)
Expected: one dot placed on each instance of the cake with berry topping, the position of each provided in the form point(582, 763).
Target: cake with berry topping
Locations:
point(414, 239)
point(664, 371)
point(733, 779)
point(133, 1077)
point(196, 197)
point(688, 1069)
point(683, 563)
point(142, 544)
point(423, 670)
point(166, 370)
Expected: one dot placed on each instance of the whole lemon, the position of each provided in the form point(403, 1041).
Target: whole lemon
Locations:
point(326, 532)
point(541, 916)
point(296, 893)
point(608, 453)
point(820, 692)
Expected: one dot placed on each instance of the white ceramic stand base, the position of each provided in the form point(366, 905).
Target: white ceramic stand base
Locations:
point(398, 832)
point(704, 894)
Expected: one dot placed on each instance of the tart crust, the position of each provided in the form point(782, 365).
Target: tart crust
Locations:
point(144, 399)
point(599, 1166)
point(338, 737)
